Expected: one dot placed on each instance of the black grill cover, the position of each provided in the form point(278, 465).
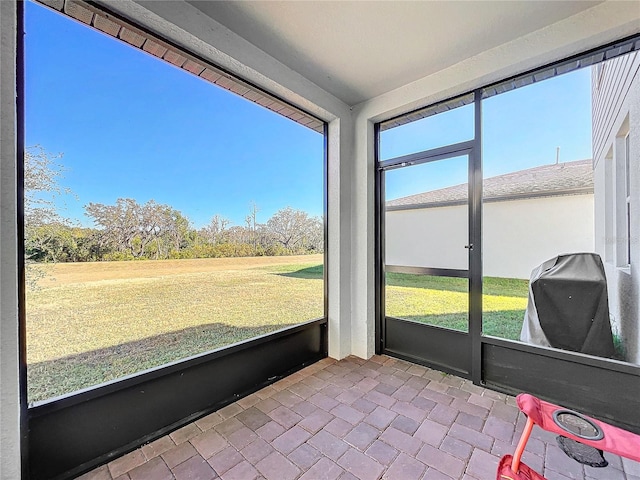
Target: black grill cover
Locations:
point(568, 306)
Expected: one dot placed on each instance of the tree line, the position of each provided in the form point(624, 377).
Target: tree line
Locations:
point(128, 230)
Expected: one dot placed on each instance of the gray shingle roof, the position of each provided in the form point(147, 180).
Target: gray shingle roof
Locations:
point(570, 178)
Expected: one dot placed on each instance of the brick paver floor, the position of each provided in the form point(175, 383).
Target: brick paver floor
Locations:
point(356, 420)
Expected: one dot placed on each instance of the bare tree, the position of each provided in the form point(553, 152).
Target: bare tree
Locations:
point(295, 229)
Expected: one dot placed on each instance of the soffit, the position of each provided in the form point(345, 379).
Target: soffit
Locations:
point(357, 50)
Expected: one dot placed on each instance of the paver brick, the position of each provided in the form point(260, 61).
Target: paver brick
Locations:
point(471, 421)
point(285, 417)
point(401, 441)
point(305, 456)
point(380, 418)
point(360, 465)
point(408, 410)
point(253, 418)
point(304, 408)
point(381, 452)
point(338, 427)
point(482, 464)
point(242, 437)
point(179, 454)
point(242, 471)
point(405, 467)
point(328, 444)
point(316, 420)
point(157, 447)
point(443, 414)
point(185, 433)
point(256, 451)
point(348, 414)
point(431, 432)
point(100, 473)
point(270, 431)
point(456, 447)
point(208, 443)
point(126, 463)
point(277, 467)
point(196, 468)
point(362, 436)
point(225, 460)
point(154, 469)
point(472, 437)
point(442, 461)
point(405, 424)
point(291, 439)
point(324, 469)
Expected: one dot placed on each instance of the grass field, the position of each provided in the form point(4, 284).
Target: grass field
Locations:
point(88, 323)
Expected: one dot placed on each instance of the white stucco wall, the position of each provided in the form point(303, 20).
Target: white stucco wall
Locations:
point(623, 282)
point(518, 235)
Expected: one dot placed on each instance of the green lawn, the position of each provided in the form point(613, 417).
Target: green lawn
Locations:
point(444, 302)
point(88, 323)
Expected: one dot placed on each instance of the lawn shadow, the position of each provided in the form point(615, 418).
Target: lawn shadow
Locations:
point(310, 273)
point(68, 374)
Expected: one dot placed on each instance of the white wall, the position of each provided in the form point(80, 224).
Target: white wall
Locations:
point(616, 112)
point(518, 235)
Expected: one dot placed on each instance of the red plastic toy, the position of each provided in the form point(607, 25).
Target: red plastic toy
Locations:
point(569, 424)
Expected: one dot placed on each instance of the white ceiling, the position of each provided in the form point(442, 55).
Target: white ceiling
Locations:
point(357, 50)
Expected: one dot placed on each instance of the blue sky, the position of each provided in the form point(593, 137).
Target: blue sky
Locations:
point(521, 129)
point(132, 126)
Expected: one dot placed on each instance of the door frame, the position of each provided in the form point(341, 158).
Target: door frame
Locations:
point(471, 340)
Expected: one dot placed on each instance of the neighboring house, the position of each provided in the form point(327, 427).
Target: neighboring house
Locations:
point(529, 216)
point(616, 137)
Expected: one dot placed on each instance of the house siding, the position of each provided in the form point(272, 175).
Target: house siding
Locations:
point(616, 112)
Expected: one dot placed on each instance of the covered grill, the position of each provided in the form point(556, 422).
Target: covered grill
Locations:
point(568, 306)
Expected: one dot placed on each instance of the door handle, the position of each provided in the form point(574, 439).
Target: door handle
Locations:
point(470, 246)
